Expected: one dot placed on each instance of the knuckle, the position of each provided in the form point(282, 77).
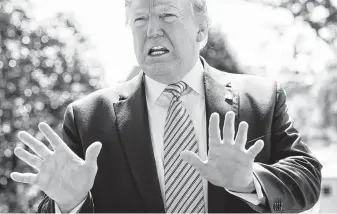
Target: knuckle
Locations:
point(228, 140)
point(213, 139)
point(228, 132)
point(91, 166)
point(250, 155)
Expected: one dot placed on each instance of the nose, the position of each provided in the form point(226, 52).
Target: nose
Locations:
point(154, 28)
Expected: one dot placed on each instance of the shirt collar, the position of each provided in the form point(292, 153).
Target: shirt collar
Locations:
point(194, 79)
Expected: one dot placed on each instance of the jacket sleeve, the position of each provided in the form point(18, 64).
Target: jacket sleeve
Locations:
point(71, 138)
point(292, 182)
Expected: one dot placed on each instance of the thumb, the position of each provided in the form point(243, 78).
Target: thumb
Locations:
point(194, 160)
point(92, 153)
point(255, 149)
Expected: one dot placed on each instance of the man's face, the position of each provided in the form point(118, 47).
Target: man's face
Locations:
point(165, 38)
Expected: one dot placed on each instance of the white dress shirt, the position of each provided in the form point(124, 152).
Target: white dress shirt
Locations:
point(193, 99)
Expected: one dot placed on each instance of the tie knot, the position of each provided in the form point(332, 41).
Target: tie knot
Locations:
point(176, 89)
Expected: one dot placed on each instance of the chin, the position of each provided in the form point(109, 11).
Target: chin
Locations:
point(159, 67)
point(163, 71)
point(160, 72)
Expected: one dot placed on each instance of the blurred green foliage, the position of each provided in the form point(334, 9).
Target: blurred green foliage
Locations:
point(42, 70)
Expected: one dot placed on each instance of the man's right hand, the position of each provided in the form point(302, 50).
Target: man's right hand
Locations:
point(62, 175)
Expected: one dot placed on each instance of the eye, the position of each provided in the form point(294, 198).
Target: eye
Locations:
point(139, 19)
point(169, 17)
point(166, 15)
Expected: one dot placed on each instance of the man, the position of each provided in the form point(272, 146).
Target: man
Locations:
point(175, 138)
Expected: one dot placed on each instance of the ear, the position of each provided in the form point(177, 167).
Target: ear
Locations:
point(203, 32)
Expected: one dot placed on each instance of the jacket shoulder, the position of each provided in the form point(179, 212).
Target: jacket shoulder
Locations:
point(252, 83)
point(258, 97)
point(257, 94)
point(263, 89)
point(107, 96)
point(244, 82)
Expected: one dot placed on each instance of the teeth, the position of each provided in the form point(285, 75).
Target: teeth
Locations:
point(158, 50)
point(157, 53)
point(158, 47)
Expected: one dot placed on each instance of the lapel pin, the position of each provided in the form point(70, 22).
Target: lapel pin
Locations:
point(229, 96)
point(121, 97)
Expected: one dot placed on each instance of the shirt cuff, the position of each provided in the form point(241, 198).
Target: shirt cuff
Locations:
point(73, 211)
point(255, 198)
point(261, 197)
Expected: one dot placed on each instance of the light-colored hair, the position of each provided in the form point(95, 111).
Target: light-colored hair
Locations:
point(198, 7)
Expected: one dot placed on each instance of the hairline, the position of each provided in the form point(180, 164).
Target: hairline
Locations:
point(194, 9)
point(192, 4)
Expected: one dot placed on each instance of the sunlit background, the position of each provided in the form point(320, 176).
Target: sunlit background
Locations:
point(55, 51)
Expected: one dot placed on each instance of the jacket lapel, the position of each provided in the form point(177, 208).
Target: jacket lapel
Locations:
point(133, 125)
point(220, 98)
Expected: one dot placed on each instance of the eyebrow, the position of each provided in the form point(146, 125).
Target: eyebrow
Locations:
point(164, 7)
point(140, 11)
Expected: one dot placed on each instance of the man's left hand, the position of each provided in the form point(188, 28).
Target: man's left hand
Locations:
point(229, 164)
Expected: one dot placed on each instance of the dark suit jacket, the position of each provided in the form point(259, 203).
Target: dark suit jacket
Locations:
point(127, 179)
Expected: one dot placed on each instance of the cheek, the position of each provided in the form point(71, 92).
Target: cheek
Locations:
point(138, 43)
point(185, 43)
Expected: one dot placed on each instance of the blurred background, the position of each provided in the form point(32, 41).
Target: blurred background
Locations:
point(53, 52)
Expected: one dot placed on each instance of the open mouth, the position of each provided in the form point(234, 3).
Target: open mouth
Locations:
point(158, 51)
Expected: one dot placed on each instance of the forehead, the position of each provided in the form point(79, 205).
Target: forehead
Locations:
point(141, 5)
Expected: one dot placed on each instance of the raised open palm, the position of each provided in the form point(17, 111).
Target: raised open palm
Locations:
point(229, 164)
point(62, 175)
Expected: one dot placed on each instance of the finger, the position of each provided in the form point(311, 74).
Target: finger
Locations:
point(214, 130)
point(194, 160)
point(92, 153)
point(27, 178)
point(37, 146)
point(228, 128)
point(30, 159)
point(255, 149)
point(55, 141)
point(241, 136)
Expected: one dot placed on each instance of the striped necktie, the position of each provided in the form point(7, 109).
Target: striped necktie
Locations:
point(183, 184)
